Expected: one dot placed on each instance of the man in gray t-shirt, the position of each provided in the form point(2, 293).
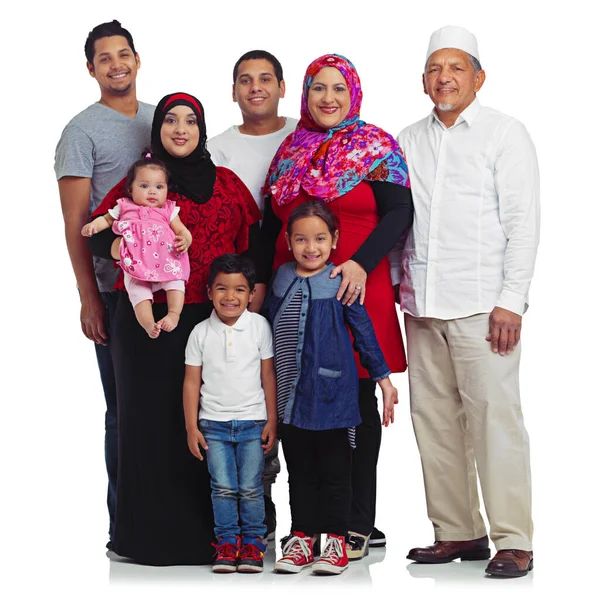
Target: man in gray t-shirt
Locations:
point(95, 151)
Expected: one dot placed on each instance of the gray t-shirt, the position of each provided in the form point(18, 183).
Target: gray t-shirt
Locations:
point(101, 144)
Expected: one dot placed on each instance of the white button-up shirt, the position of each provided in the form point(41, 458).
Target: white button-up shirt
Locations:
point(475, 234)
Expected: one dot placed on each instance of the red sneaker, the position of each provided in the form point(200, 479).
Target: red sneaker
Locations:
point(226, 556)
point(297, 554)
point(333, 559)
point(250, 558)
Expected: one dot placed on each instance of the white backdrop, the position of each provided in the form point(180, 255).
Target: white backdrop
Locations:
point(541, 67)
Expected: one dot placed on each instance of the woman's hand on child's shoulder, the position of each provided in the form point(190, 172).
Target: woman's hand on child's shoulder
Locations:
point(194, 440)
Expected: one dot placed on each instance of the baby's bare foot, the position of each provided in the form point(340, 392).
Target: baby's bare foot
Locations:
point(169, 322)
point(153, 330)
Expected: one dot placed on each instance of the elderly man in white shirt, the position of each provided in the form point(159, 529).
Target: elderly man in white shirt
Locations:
point(463, 278)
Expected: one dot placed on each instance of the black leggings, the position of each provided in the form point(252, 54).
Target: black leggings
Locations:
point(319, 466)
point(364, 461)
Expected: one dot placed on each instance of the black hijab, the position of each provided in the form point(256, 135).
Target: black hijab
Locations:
point(194, 175)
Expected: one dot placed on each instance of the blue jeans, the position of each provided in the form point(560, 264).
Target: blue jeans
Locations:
point(107, 376)
point(235, 462)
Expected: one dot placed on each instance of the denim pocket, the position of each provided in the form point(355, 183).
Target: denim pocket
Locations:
point(205, 424)
point(261, 423)
point(328, 384)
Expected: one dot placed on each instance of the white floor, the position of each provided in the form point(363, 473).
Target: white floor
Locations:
point(57, 535)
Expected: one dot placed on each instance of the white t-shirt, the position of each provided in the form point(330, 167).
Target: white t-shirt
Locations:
point(230, 357)
point(249, 156)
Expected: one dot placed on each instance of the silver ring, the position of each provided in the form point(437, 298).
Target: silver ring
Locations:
point(357, 287)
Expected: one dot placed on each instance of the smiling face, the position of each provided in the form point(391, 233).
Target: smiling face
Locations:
point(149, 187)
point(180, 133)
point(114, 66)
point(256, 89)
point(311, 243)
point(230, 294)
point(328, 98)
point(450, 81)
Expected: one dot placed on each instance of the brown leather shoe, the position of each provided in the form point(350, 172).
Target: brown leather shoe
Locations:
point(444, 552)
point(510, 563)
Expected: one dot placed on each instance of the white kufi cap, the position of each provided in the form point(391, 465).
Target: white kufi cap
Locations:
point(452, 36)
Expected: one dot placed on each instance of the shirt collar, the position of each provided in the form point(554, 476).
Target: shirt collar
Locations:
point(219, 327)
point(468, 115)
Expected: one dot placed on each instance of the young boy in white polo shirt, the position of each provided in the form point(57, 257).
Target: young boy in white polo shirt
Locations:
point(230, 378)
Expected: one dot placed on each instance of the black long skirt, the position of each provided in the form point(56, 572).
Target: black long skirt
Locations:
point(164, 511)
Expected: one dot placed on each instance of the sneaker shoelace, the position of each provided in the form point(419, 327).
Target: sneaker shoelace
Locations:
point(225, 550)
point(333, 550)
point(296, 547)
point(250, 552)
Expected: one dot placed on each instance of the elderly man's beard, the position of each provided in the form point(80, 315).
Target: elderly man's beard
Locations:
point(444, 106)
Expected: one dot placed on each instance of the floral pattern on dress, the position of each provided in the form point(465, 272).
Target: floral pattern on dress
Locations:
point(174, 267)
point(144, 247)
point(155, 232)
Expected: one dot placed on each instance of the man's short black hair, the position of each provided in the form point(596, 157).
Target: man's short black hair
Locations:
point(257, 54)
point(232, 263)
point(105, 30)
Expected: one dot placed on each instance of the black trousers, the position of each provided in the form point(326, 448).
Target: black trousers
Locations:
point(319, 466)
point(364, 461)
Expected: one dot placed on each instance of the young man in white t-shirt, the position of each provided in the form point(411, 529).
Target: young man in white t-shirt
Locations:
point(248, 150)
point(230, 411)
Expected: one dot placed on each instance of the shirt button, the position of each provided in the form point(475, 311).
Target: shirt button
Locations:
point(230, 344)
point(303, 314)
point(229, 330)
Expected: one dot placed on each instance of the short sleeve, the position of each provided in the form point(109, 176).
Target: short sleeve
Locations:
point(175, 211)
point(215, 153)
point(193, 350)
point(110, 200)
point(115, 212)
point(265, 344)
point(74, 156)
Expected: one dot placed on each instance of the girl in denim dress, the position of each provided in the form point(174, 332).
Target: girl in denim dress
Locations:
point(317, 388)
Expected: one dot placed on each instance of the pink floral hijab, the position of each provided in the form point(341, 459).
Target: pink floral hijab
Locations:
point(328, 163)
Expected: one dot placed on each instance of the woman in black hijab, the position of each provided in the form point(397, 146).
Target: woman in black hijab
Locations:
point(164, 511)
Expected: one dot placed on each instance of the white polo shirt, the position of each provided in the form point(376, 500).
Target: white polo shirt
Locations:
point(230, 357)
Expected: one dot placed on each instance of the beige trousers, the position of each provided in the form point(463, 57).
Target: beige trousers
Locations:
point(466, 410)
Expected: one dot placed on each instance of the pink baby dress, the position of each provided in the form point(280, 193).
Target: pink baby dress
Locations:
point(148, 251)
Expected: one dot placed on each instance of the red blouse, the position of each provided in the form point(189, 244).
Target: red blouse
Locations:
point(219, 226)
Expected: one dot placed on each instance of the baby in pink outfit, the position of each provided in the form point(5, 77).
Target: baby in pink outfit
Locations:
point(154, 244)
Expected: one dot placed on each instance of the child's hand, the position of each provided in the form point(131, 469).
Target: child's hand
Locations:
point(390, 397)
point(195, 438)
point(88, 230)
point(269, 435)
point(183, 241)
